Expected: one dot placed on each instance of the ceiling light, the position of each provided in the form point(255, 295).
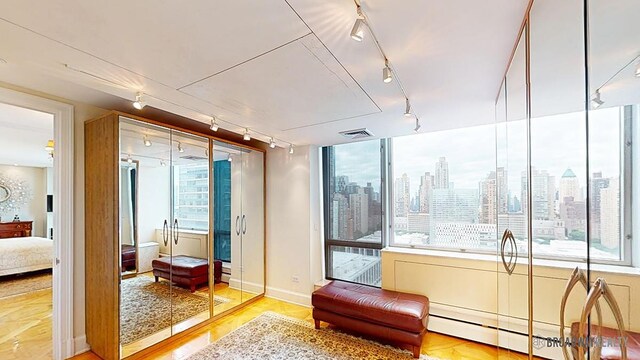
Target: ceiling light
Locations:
point(272, 144)
point(357, 32)
point(214, 125)
point(290, 148)
point(596, 102)
point(146, 140)
point(638, 70)
point(180, 148)
point(229, 159)
point(162, 163)
point(407, 109)
point(246, 136)
point(386, 72)
point(418, 126)
point(138, 104)
point(129, 159)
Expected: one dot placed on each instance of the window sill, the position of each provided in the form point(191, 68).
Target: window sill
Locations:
point(558, 264)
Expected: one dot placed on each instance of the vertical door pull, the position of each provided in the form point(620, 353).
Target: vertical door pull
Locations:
point(601, 289)
point(244, 224)
point(176, 231)
point(165, 233)
point(237, 225)
point(510, 265)
point(577, 276)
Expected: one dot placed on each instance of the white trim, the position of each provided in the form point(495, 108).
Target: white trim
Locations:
point(289, 296)
point(80, 345)
point(62, 328)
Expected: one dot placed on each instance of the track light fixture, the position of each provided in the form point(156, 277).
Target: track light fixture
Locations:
point(214, 125)
point(246, 136)
point(290, 148)
point(386, 72)
point(146, 140)
point(180, 148)
point(407, 108)
point(229, 159)
point(162, 163)
point(139, 104)
point(129, 159)
point(357, 32)
point(272, 144)
point(418, 126)
point(596, 102)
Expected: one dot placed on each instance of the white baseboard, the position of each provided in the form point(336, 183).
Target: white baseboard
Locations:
point(80, 345)
point(289, 296)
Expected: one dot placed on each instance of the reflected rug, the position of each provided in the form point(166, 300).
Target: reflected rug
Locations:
point(275, 336)
point(11, 285)
point(146, 307)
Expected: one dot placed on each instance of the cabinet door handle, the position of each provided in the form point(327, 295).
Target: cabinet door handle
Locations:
point(510, 265)
point(244, 224)
point(237, 225)
point(165, 233)
point(601, 289)
point(577, 276)
point(176, 231)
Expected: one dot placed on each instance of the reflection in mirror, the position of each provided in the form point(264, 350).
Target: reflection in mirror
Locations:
point(129, 216)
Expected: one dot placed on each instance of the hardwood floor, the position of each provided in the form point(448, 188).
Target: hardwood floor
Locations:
point(25, 332)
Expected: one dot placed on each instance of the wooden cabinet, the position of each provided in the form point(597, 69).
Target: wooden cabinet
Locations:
point(15, 229)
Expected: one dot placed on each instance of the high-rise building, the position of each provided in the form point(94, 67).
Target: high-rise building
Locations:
point(543, 194)
point(341, 183)
point(610, 215)
point(340, 210)
point(574, 215)
point(359, 206)
point(425, 192)
point(453, 206)
point(597, 184)
point(569, 187)
point(442, 174)
point(488, 199)
point(402, 196)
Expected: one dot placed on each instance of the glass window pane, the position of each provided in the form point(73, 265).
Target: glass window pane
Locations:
point(359, 265)
point(191, 185)
point(354, 200)
point(444, 189)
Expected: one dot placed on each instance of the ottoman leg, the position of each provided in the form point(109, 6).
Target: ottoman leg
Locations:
point(193, 287)
point(317, 323)
point(416, 352)
point(156, 278)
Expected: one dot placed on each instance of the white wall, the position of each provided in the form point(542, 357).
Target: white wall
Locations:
point(293, 223)
point(36, 209)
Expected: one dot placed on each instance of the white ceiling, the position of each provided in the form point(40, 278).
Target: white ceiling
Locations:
point(287, 69)
point(24, 133)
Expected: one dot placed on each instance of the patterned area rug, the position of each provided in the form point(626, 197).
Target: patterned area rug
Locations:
point(275, 336)
point(146, 306)
point(11, 285)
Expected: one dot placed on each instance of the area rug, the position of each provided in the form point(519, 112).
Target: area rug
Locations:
point(11, 285)
point(275, 336)
point(147, 306)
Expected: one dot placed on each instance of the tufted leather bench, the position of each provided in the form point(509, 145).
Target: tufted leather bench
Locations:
point(383, 314)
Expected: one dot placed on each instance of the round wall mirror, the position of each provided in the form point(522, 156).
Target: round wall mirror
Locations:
point(5, 193)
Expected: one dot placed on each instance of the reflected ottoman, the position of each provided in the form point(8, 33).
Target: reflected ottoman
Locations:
point(187, 271)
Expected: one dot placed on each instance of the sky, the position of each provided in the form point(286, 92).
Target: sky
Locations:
point(558, 143)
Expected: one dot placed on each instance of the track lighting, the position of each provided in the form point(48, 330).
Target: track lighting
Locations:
point(357, 32)
point(146, 140)
point(138, 104)
point(129, 159)
point(418, 126)
point(180, 148)
point(162, 163)
point(229, 159)
point(407, 108)
point(272, 144)
point(290, 148)
point(214, 125)
point(246, 136)
point(596, 102)
point(386, 72)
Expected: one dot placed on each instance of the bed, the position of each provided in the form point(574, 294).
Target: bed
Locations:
point(24, 254)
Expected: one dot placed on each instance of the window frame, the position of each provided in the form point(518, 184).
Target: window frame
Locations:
point(329, 242)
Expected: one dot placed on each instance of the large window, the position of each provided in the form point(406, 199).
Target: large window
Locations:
point(191, 196)
point(353, 211)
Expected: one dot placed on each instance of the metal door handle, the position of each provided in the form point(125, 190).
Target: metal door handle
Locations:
point(510, 265)
point(176, 233)
point(577, 276)
point(601, 289)
point(244, 225)
point(237, 225)
point(165, 231)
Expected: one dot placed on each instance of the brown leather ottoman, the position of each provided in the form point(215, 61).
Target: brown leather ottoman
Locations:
point(185, 270)
point(383, 314)
point(610, 352)
point(128, 257)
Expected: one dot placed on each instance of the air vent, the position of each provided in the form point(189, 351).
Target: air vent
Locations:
point(357, 133)
point(193, 158)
